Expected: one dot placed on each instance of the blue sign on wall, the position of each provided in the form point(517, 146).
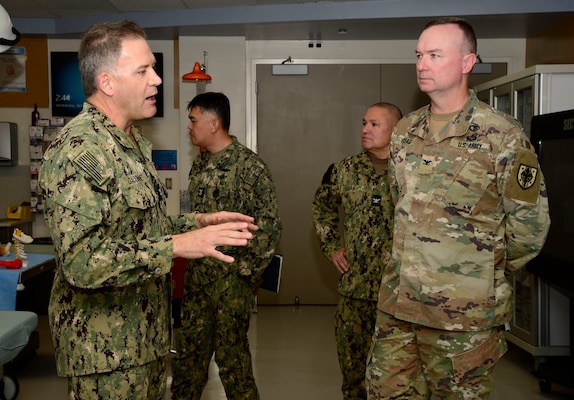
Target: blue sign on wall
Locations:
point(164, 160)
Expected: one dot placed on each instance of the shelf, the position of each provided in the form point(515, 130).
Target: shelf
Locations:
point(40, 139)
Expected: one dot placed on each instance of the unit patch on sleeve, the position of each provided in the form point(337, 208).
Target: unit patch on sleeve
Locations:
point(524, 183)
point(251, 177)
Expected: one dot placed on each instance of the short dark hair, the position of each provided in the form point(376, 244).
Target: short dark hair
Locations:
point(101, 46)
point(217, 103)
point(467, 30)
point(394, 111)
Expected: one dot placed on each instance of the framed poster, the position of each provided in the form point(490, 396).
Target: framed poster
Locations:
point(37, 78)
point(13, 70)
point(67, 92)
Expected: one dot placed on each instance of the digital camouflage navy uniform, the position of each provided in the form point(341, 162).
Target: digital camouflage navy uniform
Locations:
point(218, 297)
point(105, 208)
point(471, 210)
point(368, 222)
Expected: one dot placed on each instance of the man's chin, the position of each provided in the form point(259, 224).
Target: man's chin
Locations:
point(150, 112)
point(424, 86)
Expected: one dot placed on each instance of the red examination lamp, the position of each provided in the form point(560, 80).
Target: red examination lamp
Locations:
point(197, 74)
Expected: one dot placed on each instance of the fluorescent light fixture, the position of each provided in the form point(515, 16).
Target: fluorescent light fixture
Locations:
point(290, 69)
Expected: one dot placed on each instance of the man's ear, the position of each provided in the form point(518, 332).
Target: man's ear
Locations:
point(105, 83)
point(468, 63)
point(215, 124)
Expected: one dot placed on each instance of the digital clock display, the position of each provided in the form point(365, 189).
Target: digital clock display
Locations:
point(67, 92)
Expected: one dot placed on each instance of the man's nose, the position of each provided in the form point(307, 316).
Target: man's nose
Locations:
point(156, 79)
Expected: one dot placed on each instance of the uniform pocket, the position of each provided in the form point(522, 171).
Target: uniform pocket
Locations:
point(465, 183)
point(477, 362)
point(140, 195)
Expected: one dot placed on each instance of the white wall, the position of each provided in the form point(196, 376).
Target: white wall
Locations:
point(226, 65)
point(231, 63)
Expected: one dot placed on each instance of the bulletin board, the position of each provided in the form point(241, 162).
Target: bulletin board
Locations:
point(37, 81)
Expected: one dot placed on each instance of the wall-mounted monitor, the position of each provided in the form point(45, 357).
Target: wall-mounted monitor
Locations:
point(67, 95)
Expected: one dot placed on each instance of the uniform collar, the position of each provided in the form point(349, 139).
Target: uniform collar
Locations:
point(225, 157)
point(457, 127)
point(119, 135)
point(364, 164)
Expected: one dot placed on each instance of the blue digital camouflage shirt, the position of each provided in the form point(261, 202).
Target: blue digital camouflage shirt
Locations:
point(106, 211)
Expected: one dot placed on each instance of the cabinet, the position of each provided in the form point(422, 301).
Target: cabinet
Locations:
point(540, 322)
point(540, 89)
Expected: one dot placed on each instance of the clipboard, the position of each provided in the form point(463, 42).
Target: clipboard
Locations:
point(272, 274)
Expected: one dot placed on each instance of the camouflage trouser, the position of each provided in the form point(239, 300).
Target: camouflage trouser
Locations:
point(354, 326)
point(215, 318)
point(410, 361)
point(147, 381)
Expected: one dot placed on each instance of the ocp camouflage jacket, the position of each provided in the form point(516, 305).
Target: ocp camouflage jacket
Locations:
point(471, 209)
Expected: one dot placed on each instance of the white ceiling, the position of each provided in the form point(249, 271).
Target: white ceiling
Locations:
point(288, 19)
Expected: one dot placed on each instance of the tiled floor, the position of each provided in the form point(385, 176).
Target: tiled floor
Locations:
point(294, 358)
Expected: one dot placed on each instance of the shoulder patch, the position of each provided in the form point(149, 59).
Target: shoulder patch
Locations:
point(88, 163)
point(524, 184)
point(252, 175)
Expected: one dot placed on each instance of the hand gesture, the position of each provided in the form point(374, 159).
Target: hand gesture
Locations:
point(339, 260)
point(216, 229)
